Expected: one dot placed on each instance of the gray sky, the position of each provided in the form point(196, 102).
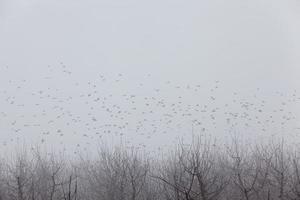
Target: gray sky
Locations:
point(244, 45)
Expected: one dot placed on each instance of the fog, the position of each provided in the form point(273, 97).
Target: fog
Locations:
point(238, 60)
point(149, 100)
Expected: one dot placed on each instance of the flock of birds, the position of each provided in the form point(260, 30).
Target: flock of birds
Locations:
point(63, 111)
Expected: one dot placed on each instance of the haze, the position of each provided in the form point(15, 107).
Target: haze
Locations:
point(54, 55)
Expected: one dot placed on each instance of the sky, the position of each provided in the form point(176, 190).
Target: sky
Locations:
point(247, 47)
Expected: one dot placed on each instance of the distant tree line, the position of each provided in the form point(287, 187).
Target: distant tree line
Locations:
point(201, 170)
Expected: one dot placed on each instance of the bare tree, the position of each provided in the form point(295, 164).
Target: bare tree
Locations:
point(116, 175)
point(201, 170)
point(49, 169)
point(250, 169)
point(19, 176)
point(280, 169)
point(194, 172)
point(294, 182)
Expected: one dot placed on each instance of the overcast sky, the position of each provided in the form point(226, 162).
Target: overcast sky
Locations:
point(245, 45)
